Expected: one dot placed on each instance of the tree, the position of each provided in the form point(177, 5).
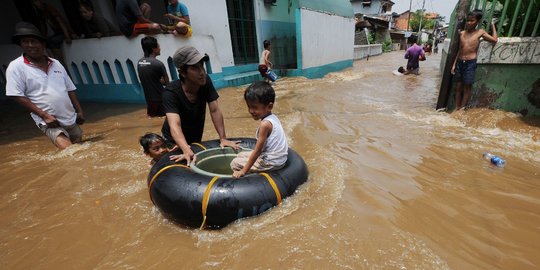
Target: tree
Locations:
point(414, 23)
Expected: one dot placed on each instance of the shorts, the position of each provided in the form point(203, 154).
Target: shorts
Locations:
point(259, 166)
point(263, 69)
point(73, 132)
point(465, 71)
point(154, 109)
point(139, 28)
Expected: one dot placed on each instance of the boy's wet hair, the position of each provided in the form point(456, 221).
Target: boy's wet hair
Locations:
point(147, 139)
point(260, 91)
point(413, 39)
point(477, 14)
point(148, 44)
point(266, 43)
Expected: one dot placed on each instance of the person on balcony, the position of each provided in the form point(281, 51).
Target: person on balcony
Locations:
point(178, 15)
point(184, 103)
point(131, 20)
point(50, 18)
point(95, 26)
point(153, 76)
point(42, 85)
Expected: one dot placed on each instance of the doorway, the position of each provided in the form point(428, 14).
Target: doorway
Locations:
point(243, 32)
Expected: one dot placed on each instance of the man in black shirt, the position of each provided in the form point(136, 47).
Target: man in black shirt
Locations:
point(184, 103)
point(153, 76)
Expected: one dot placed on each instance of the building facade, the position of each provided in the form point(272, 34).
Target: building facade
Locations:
point(309, 38)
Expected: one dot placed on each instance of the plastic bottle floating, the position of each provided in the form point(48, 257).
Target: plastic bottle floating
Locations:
point(494, 159)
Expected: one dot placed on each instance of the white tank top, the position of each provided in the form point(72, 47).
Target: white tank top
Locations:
point(275, 149)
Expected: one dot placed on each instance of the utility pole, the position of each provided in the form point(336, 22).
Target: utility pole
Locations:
point(420, 27)
point(446, 82)
point(409, 20)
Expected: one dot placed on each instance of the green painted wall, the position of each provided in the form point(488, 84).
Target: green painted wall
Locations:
point(504, 87)
point(337, 7)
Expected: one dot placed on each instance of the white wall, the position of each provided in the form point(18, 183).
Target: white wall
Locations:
point(328, 42)
point(207, 18)
point(375, 7)
point(210, 18)
point(364, 51)
point(279, 12)
point(108, 49)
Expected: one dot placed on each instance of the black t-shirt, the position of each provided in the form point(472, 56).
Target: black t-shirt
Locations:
point(127, 12)
point(150, 72)
point(192, 115)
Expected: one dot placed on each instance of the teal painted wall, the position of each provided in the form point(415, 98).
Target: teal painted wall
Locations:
point(504, 87)
point(317, 72)
point(277, 23)
point(107, 93)
point(337, 7)
point(282, 36)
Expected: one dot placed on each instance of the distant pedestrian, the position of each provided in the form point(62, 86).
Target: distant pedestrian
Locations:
point(153, 76)
point(414, 54)
point(264, 61)
point(464, 67)
point(42, 85)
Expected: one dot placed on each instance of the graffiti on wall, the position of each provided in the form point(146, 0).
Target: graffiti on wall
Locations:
point(510, 51)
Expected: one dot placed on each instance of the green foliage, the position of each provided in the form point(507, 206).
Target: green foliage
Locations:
point(414, 23)
point(371, 37)
point(387, 45)
point(496, 7)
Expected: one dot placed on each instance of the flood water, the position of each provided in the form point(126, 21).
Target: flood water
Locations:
point(393, 184)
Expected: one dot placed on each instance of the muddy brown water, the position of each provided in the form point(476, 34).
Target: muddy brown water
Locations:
point(393, 184)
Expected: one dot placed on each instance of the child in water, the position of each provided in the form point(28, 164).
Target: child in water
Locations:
point(271, 148)
point(154, 146)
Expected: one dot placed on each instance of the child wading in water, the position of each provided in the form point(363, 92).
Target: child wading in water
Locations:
point(264, 61)
point(271, 148)
point(464, 67)
point(154, 146)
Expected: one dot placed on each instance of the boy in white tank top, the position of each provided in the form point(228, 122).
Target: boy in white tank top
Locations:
point(271, 148)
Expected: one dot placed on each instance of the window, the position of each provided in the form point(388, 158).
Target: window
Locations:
point(243, 32)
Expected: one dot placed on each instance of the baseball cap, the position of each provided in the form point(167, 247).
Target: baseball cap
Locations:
point(25, 29)
point(188, 55)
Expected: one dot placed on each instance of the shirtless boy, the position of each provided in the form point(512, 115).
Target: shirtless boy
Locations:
point(464, 67)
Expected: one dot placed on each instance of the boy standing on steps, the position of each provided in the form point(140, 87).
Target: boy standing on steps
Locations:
point(264, 62)
point(464, 67)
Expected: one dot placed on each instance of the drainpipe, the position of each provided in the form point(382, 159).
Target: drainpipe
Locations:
point(446, 82)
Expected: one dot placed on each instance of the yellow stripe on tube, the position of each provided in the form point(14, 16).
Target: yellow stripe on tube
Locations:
point(200, 145)
point(205, 200)
point(158, 173)
point(274, 186)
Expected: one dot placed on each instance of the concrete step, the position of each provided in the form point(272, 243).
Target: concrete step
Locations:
point(242, 78)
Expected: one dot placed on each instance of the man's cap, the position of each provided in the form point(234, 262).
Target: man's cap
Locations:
point(25, 29)
point(188, 55)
